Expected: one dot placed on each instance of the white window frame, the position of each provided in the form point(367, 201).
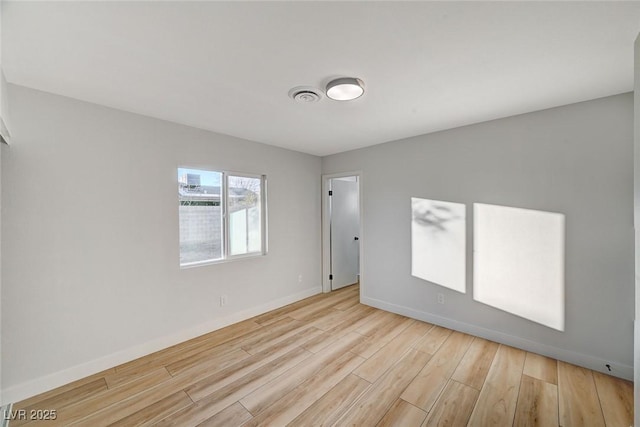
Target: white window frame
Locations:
point(225, 232)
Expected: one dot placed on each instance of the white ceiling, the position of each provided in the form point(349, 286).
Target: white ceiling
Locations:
point(228, 66)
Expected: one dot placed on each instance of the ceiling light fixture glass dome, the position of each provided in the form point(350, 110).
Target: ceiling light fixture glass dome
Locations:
point(345, 89)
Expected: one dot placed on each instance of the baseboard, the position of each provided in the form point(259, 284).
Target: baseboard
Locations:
point(57, 379)
point(586, 361)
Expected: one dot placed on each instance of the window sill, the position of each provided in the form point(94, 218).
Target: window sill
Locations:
point(222, 261)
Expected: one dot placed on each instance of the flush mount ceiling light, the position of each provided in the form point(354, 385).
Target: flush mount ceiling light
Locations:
point(345, 89)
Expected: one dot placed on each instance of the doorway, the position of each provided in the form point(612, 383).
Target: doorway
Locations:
point(341, 231)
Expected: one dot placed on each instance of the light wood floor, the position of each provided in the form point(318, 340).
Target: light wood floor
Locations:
point(330, 360)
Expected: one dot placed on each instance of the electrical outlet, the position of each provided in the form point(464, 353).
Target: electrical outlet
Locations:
point(300, 278)
point(440, 298)
point(223, 300)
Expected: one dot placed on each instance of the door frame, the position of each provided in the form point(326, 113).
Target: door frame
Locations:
point(326, 226)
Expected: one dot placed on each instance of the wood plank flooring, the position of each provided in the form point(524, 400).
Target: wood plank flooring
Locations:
point(329, 360)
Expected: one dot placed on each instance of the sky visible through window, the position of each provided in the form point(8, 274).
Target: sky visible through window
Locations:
point(206, 177)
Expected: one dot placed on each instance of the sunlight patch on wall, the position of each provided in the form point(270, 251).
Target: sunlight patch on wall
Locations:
point(519, 262)
point(438, 234)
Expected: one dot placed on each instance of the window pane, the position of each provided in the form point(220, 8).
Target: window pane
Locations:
point(245, 234)
point(200, 215)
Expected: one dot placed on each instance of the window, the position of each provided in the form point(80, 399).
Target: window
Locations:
point(222, 216)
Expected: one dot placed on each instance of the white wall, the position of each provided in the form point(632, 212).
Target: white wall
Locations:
point(636, 210)
point(3, 109)
point(2, 147)
point(91, 273)
point(576, 160)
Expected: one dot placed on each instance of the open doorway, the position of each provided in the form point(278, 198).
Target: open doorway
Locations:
point(341, 230)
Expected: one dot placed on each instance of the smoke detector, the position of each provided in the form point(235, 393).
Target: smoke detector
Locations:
point(305, 94)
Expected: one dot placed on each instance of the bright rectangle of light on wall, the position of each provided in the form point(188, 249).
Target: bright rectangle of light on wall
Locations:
point(438, 233)
point(519, 262)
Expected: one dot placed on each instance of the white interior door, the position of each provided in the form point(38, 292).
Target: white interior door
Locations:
point(344, 232)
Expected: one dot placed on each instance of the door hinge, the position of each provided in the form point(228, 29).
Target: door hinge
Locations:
point(330, 193)
point(331, 277)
